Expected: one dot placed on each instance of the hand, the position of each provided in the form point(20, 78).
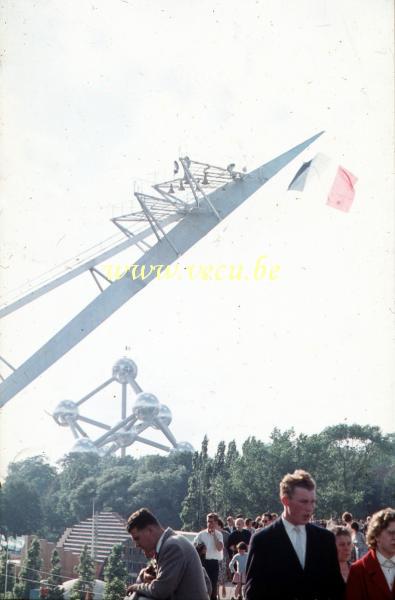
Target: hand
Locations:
point(132, 588)
point(211, 530)
point(146, 577)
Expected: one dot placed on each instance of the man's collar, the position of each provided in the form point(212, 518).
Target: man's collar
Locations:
point(160, 542)
point(289, 526)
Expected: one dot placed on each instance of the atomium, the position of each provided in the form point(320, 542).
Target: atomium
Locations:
point(65, 413)
point(124, 438)
point(84, 445)
point(164, 415)
point(146, 407)
point(124, 370)
point(183, 447)
point(146, 413)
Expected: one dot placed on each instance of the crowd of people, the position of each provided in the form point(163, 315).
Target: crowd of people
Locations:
point(273, 557)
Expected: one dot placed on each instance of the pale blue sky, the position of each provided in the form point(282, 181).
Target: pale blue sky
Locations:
point(98, 95)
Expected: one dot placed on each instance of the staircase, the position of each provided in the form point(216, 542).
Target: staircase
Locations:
point(109, 529)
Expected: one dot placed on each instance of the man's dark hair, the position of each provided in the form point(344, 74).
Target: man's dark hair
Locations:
point(141, 519)
point(213, 515)
point(267, 515)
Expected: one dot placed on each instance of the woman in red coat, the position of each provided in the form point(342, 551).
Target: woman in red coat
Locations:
point(372, 577)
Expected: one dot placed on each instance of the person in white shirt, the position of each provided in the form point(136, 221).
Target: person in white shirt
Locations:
point(213, 540)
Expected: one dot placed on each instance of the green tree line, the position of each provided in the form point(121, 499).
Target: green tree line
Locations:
point(353, 465)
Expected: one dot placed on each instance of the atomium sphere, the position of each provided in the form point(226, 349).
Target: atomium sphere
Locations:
point(124, 438)
point(146, 406)
point(183, 447)
point(124, 370)
point(84, 445)
point(164, 415)
point(66, 411)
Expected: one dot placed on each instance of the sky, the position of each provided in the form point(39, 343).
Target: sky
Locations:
point(98, 99)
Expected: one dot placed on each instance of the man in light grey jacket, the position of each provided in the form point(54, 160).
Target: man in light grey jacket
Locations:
point(180, 574)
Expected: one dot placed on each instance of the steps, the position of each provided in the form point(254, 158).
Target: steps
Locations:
point(109, 529)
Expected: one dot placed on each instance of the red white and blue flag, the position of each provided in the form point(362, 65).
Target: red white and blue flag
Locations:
point(336, 179)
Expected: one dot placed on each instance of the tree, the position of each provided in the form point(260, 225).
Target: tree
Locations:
point(55, 591)
point(76, 467)
point(29, 575)
point(113, 485)
point(22, 508)
point(86, 576)
point(36, 470)
point(196, 504)
point(232, 460)
point(152, 490)
point(190, 506)
point(81, 498)
point(222, 492)
point(361, 461)
point(115, 574)
point(43, 479)
point(251, 475)
point(3, 569)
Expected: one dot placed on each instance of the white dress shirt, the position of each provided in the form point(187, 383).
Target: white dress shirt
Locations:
point(388, 567)
point(297, 535)
point(208, 540)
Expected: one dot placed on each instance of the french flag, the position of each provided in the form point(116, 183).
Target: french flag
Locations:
point(339, 181)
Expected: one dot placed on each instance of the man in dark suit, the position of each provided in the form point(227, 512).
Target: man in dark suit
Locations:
point(240, 534)
point(230, 524)
point(179, 574)
point(293, 559)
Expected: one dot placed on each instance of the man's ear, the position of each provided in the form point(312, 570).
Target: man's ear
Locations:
point(284, 500)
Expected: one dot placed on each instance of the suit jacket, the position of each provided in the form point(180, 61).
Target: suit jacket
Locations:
point(179, 572)
point(275, 573)
point(366, 580)
point(238, 536)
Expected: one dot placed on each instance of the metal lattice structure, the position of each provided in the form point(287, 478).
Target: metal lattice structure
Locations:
point(147, 412)
point(166, 225)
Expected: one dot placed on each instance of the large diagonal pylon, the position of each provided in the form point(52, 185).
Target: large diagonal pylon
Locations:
point(192, 224)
